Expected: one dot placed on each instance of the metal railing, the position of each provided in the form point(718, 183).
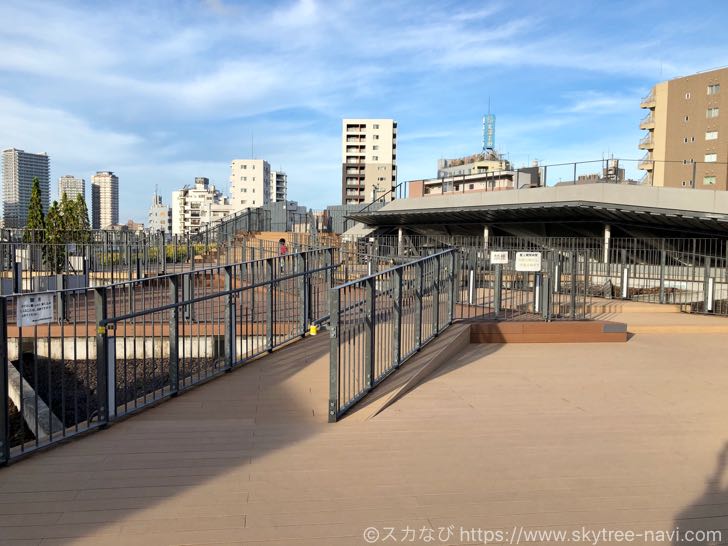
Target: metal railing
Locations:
point(379, 321)
point(691, 272)
point(110, 351)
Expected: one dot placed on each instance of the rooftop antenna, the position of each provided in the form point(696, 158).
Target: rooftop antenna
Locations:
point(488, 131)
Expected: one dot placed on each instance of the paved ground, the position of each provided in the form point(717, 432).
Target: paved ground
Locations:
point(622, 436)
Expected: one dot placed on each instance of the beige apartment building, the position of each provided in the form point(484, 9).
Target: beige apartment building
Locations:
point(687, 132)
point(104, 200)
point(369, 160)
point(250, 184)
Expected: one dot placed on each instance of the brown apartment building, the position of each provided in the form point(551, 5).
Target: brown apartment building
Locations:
point(687, 132)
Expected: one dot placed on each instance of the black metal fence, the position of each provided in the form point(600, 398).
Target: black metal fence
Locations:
point(111, 350)
point(690, 272)
point(379, 321)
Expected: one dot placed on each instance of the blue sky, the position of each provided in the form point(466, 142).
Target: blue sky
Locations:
point(161, 92)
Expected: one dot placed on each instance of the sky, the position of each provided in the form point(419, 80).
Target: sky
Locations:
point(161, 92)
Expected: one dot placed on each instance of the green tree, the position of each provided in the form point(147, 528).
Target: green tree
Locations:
point(82, 221)
point(69, 220)
point(54, 254)
point(36, 221)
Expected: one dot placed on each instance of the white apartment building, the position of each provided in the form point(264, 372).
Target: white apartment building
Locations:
point(278, 186)
point(159, 219)
point(19, 169)
point(369, 160)
point(199, 207)
point(71, 186)
point(249, 183)
point(104, 200)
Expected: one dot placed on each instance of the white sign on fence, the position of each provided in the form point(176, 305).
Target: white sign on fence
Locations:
point(528, 261)
point(499, 256)
point(33, 310)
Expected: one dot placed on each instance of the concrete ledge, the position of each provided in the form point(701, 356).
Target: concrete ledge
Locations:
point(548, 332)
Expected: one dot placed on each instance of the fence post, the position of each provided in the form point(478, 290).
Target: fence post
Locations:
point(454, 276)
point(708, 287)
point(397, 296)
point(334, 303)
point(4, 363)
point(574, 270)
point(369, 331)
point(270, 265)
point(103, 381)
point(303, 291)
point(546, 297)
point(436, 298)
point(663, 260)
point(174, 335)
point(229, 318)
point(498, 293)
point(18, 277)
point(419, 275)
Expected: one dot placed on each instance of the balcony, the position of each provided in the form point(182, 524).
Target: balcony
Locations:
point(646, 163)
point(648, 122)
point(648, 101)
point(647, 143)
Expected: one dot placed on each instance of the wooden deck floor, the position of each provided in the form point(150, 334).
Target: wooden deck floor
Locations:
point(621, 436)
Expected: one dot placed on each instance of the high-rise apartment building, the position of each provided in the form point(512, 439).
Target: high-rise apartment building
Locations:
point(160, 216)
point(249, 183)
point(278, 186)
point(71, 186)
point(104, 200)
point(196, 208)
point(687, 132)
point(19, 169)
point(369, 160)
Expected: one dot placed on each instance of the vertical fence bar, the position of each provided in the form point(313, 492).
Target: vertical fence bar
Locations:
point(334, 306)
point(270, 265)
point(436, 298)
point(397, 347)
point(229, 318)
point(419, 275)
point(453, 277)
point(303, 292)
point(663, 259)
point(370, 331)
point(4, 394)
point(102, 353)
point(174, 334)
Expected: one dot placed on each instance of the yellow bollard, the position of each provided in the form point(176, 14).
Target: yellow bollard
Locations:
point(313, 330)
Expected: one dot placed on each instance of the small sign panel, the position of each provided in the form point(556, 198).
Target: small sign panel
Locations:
point(499, 256)
point(34, 310)
point(528, 261)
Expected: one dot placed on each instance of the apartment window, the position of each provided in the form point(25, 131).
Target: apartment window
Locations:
point(711, 158)
point(713, 89)
point(709, 180)
point(692, 139)
point(687, 95)
point(375, 137)
point(375, 147)
point(685, 140)
point(244, 178)
point(711, 135)
point(375, 126)
point(243, 166)
point(687, 118)
point(712, 112)
point(375, 158)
